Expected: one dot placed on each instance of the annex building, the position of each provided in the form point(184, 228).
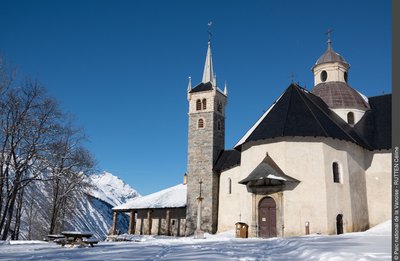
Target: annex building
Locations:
point(317, 161)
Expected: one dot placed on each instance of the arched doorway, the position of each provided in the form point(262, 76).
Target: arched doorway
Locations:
point(267, 217)
point(339, 224)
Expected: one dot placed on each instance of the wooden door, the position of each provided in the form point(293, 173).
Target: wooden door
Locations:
point(339, 224)
point(267, 218)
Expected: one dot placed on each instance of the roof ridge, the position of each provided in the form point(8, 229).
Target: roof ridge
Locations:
point(308, 107)
point(244, 138)
point(379, 95)
point(287, 110)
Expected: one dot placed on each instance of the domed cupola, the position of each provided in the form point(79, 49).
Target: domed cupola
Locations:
point(331, 85)
point(330, 56)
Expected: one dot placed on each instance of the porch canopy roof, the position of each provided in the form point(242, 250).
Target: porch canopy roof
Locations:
point(268, 170)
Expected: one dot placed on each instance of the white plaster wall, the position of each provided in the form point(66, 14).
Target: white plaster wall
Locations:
point(338, 194)
point(335, 72)
point(349, 196)
point(302, 160)
point(358, 189)
point(342, 113)
point(234, 207)
point(307, 202)
point(379, 182)
point(362, 197)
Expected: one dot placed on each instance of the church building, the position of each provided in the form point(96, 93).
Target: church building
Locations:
point(316, 161)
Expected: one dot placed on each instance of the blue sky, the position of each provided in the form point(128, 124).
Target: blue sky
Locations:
point(121, 67)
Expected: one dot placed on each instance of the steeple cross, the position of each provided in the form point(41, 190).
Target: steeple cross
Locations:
point(200, 182)
point(292, 77)
point(328, 32)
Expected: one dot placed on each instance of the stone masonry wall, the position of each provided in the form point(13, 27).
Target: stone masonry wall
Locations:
point(204, 146)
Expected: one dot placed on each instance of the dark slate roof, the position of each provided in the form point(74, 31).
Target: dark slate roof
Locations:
point(340, 95)
point(202, 87)
point(330, 56)
point(267, 169)
point(300, 113)
point(227, 159)
point(376, 125)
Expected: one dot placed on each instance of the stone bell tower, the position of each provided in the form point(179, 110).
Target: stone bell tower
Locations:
point(206, 140)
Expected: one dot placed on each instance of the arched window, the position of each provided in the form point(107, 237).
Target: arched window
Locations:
point(229, 186)
point(200, 124)
point(350, 118)
point(204, 104)
point(198, 105)
point(336, 172)
point(346, 76)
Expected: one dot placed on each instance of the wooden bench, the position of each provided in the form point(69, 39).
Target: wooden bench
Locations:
point(60, 241)
point(77, 238)
point(90, 241)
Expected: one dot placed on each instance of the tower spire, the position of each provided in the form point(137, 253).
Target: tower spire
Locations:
point(226, 89)
point(208, 73)
point(189, 88)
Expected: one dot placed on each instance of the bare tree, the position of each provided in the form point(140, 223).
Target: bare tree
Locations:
point(5, 83)
point(68, 163)
point(29, 117)
point(37, 144)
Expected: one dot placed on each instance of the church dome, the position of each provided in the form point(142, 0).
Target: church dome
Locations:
point(330, 56)
point(340, 95)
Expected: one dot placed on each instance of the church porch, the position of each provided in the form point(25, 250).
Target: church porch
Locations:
point(166, 221)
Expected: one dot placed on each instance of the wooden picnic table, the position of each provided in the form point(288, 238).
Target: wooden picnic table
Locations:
point(53, 237)
point(75, 237)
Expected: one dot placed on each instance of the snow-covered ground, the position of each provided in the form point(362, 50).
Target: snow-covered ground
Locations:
point(374, 244)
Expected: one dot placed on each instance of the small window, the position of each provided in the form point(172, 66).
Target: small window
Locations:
point(350, 118)
point(324, 76)
point(229, 186)
point(200, 124)
point(219, 125)
point(345, 76)
point(198, 105)
point(336, 172)
point(204, 104)
point(219, 107)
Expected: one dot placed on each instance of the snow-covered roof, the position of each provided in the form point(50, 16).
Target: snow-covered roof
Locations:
point(173, 197)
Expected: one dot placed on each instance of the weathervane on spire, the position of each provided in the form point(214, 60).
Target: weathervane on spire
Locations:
point(209, 31)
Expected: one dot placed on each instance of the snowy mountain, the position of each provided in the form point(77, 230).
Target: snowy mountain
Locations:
point(92, 212)
point(95, 212)
point(111, 189)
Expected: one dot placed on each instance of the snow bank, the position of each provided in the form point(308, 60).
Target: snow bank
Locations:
point(384, 228)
